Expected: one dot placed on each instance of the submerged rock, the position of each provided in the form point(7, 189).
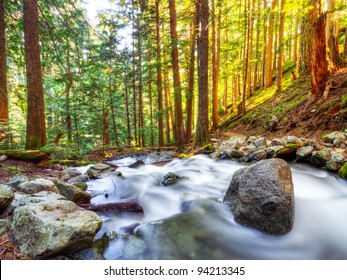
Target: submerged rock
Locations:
point(72, 192)
point(45, 229)
point(170, 179)
point(262, 196)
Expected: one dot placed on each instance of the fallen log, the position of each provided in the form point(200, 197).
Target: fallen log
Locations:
point(26, 155)
point(116, 207)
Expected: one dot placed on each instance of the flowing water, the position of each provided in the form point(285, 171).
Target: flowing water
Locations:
point(188, 220)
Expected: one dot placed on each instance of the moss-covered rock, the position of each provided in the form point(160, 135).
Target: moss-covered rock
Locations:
point(27, 155)
point(6, 196)
point(343, 171)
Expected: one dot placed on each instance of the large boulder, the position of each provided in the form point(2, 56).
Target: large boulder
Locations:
point(36, 186)
point(262, 196)
point(44, 229)
point(6, 196)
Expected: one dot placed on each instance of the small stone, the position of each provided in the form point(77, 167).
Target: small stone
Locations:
point(237, 153)
point(6, 196)
point(98, 170)
point(260, 143)
point(338, 137)
point(258, 155)
point(319, 158)
point(17, 180)
point(37, 185)
point(278, 142)
point(3, 158)
point(170, 179)
point(271, 151)
point(304, 153)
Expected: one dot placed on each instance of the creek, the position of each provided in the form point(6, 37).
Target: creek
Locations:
point(188, 220)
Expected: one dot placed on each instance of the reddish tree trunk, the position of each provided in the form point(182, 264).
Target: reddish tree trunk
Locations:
point(318, 58)
point(3, 76)
point(36, 126)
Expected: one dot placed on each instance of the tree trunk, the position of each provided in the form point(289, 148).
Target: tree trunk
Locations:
point(281, 47)
point(250, 49)
point(112, 111)
point(106, 133)
point(127, 112)
point(319, 62)
point(134, 84)
point(268, 70)
point(176, 76)
point(255, 78)
point(202, 132)
point(295, 43)
point(263, 67)
point(140, 86)
point(67, 93)
point(159, 76)
point(3, 76)
point(331, 35)
point(36, 126)
point(190, 89)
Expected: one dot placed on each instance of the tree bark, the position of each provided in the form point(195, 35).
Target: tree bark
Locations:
point(331, 35)
point(3, 76)
point(176, 76)
point(140, 86)
point(319, 62)
point(159, 76)
point(36, 126)
point(263, 67)
point(269, 46)
point(202, 130)
point(191, 71)
point(281, 47)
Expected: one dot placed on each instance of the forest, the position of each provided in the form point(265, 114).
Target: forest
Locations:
point(153, 72)
point(166, 129)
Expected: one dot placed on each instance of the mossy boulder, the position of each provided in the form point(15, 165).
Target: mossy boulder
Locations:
point(343, 171)
point(6, 196)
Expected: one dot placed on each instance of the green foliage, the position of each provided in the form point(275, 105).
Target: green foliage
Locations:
point(344, 101)
point(343, 171)
point(13, 169)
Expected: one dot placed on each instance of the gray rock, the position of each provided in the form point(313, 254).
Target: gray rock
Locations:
point(45, 229)
point(237, 153)
point(258, 155)
point(134, 247)
point(251, 139)
point(78, 179)
point(273, 124)
point(96, 171)
point(319, 158)
point(336, 161)
point(278, 142)
point(291, 139)
point(170, 179)
point(36, 186)
point(262, 196)
point(39, 197)
point(260, 143)
point(69, 173)
point(232, 143)
point(6, 197)
point(335, 138)
point(17, 180)
point(4, 226)
point(304, 153)
point(72, 192)
point(271, 151)
point(3, 158)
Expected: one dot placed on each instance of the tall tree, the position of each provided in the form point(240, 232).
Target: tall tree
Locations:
point(331, 35)
point(281, 47)
point(176, 76)
point(36, 126)
point(269, 46)
point(3, 76)
point(202, 130)
point(159, 76)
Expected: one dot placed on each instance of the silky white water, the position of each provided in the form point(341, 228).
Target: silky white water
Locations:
point(319, 231)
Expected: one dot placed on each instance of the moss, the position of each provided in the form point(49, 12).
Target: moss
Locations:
point(344, 101)
point(69, 162)
point(26, 155)
point(343, 171)
point(13, 169)
point(81, 186)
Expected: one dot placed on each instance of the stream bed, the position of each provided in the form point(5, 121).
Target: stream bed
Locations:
point(187, 220)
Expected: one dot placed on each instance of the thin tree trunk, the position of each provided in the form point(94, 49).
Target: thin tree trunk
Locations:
point(190, 89)
point(67, 94)
point(263, 67)
point(250, 49)
point(202, 132)
point(214, 69)
point(167, 105)
point(150, 106)
point(176, 76)
point(345, 47)
point(269, 61)
point(246, 58)
point(331, 35)
point(140, 87)
point(295, 44)
point(127, 112)
point(255, 78)
point(36, 126)
point(3, 76)
point(112, 112)
point(134, 84)
point(106, 132)
point(159, 76)
point(281, 47)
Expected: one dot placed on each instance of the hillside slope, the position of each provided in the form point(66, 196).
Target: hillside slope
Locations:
point(290, 106)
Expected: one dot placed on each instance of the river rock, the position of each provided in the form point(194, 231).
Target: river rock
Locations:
point(78, 179)
point(72, 192)
point(262, 196)
point(237, 153)
point(170, 179)
point(6, 196)
point(39, 197)
point(17, 180)
point(36, 186)
point(291, 139)
point(304, 153)
point(251, 139)
point(319, 158)
point(70, 173)
point(97, 170)
point(336, 161)
point(271, 151)
point(260, 143)
point(337, 138)
point(278, 142)
point(3, 158)
point(288, 152)
point(273, 124)
point(232, 143)
point(45, 229)
point(257, 155)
